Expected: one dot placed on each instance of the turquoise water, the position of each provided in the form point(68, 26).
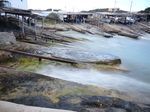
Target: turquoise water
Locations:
point(134, 54)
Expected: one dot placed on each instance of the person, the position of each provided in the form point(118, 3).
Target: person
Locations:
point(28, 21)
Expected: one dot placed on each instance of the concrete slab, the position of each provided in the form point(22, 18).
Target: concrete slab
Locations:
point(12, 107)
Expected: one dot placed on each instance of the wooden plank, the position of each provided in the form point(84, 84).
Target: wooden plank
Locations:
point(39, 56)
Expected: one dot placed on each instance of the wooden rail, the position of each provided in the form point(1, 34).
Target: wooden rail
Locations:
point(40, 57)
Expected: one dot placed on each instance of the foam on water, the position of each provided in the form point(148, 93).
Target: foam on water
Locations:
point(93, 77)
point(135, 54)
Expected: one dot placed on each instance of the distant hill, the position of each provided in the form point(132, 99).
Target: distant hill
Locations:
point(103, 10)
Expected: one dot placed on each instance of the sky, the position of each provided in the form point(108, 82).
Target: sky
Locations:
point(79, 5)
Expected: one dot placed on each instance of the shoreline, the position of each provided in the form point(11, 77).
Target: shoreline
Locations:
point(35, 90)
point(18, 88)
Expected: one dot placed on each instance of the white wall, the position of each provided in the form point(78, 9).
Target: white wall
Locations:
point(21, 4)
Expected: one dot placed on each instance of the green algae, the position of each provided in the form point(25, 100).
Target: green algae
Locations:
point(78, 91)
point(70, 91)
point(31, 64)
point(102, 67)
point(27, 64)
point(55, 100)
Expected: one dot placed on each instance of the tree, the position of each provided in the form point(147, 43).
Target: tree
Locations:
point(53, 16)
point(49, 9)
point(30, 9)
point(147, 10)
point(99, 10)
point(56, 10)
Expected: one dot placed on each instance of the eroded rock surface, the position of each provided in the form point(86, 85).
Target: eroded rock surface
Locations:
point(37, 90)
point(83, 56)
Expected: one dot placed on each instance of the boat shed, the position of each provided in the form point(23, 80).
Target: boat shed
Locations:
point(75, 17)
point(101, 15)
point(21, 14)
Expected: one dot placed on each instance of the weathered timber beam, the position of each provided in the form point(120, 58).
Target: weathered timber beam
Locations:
point(39, 56)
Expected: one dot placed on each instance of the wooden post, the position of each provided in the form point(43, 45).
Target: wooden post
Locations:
point(35, 27)
point(29, 21)
point(18, 20)
point(23, 24)
point(42, 24)
point(35, 24)
point(76, 19)
point(55, 25)
point(40, 59)
point(6, 16)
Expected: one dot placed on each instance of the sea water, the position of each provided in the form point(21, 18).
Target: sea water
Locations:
point(134, 54)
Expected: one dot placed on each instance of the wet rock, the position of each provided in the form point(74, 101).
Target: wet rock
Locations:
point(83, 56)
point(123, 30)
point(17, 83)
point(40, 101)
point(40, 88)
point(5, 56)
point(123, 33)
point(84, 103)
point(103, 110)
point(109, 28)
point(37, 90)
point(103, 102)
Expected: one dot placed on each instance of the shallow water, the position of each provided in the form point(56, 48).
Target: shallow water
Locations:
point(133, 53)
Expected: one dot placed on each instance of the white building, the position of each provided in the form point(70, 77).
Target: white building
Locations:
point(21, 4)
point(113, 9)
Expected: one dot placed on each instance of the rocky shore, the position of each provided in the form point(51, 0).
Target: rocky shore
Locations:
point(105, 30)
point(34, 89)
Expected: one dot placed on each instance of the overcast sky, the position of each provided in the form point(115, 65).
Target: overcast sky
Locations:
point(78, 5)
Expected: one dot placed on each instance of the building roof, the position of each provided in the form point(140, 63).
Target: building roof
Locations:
point(22, 12)
point(121, 14)
point(76, 13)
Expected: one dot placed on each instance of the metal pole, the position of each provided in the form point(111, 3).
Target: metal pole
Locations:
point(115, 6)
point(131, 6)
